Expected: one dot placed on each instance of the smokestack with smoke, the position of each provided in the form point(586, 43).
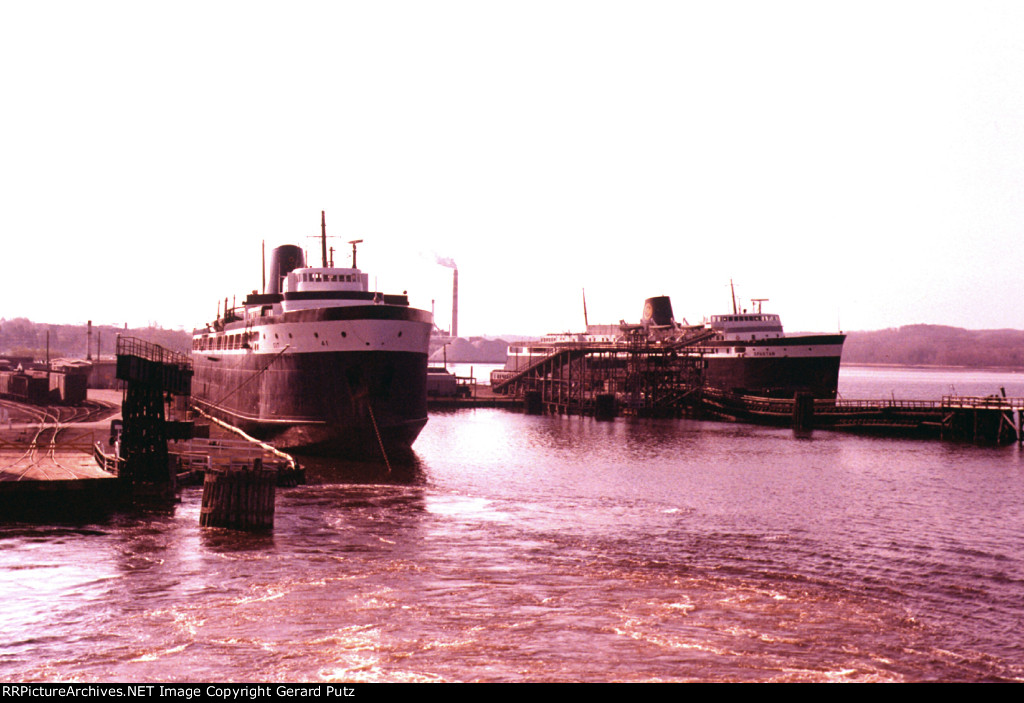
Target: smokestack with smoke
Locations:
point(455, 303)
point(450, 263)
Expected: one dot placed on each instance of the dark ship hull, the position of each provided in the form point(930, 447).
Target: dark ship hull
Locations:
point(776, 368)
point(320, 402)
point(318, 363)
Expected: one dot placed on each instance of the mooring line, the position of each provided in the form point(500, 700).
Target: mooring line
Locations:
point(251, 378)
point(267, 447)
point(379, 440)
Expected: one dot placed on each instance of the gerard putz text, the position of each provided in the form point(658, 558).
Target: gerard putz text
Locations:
point(226, 693)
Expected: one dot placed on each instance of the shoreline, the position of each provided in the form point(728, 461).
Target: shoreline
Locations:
point(932, 367)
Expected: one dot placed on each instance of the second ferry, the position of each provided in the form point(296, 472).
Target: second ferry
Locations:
point(318, 361)
point(743, 353)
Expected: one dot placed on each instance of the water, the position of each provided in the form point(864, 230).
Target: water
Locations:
point(518, 548)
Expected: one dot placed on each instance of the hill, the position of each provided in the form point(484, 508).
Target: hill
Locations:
point(910, 345)
point(22, 338)
point(936, 345)
point(475, 350)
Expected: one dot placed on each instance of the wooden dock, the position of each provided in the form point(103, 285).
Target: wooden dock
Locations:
point(47, 468)
point(982, 420)
point(480, 396)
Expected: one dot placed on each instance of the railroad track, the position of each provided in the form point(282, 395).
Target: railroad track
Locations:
point(36, 447)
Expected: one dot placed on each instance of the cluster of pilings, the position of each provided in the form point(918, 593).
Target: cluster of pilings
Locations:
point(240, 498)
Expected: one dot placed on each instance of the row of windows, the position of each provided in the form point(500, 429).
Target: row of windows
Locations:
point(228, 341)
point(328, 277)
point(745, 318)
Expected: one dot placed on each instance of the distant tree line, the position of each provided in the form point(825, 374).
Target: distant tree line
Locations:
point(936, 345)
point(911, 345)
point(22, 338)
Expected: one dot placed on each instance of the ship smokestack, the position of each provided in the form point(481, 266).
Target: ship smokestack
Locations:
point(88, 342)
point(658, 311)
point(283, 260)
point(455, 303)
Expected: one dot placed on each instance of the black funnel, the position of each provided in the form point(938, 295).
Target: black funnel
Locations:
point(283, 260)
point(658, 310)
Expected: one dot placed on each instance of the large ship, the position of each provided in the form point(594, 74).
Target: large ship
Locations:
point(749, 354)
point(741, 353)
point(318, 361)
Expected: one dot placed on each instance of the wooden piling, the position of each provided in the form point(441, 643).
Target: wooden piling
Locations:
point(533, 402)
point(239, 498)
point(803, 411)
point(605, 407)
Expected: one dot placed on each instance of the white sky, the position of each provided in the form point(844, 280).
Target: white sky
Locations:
point(857, 163)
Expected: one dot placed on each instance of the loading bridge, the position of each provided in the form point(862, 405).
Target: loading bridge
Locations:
point(640, 376)
point(149, 372)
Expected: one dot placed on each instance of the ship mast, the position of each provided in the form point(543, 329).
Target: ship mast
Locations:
point(323, 237)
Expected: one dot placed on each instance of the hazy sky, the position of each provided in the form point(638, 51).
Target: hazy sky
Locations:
point(857, 163)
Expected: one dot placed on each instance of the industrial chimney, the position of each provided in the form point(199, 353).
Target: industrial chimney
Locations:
point(455, 303)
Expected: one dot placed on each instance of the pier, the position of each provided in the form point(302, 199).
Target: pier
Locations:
point(646, 379)
point(116, 448)
point(47, 467)
point(982, 420)
point(651, 379)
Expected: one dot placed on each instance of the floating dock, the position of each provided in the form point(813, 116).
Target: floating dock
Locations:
point(983, 420)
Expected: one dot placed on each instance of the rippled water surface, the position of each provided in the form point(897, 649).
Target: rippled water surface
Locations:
point(518, 548)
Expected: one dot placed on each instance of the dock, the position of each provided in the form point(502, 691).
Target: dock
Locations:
point(47, 467)
point(645, 379)
point(62, 462)
point(981, 420)
point(480, 396)
point(650, 379)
